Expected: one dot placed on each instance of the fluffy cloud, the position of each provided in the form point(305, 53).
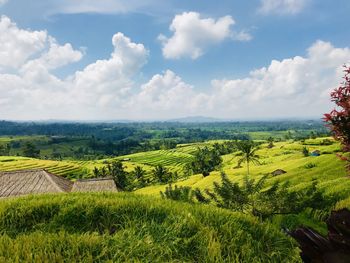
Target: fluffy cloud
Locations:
point(293, 87)
point(30, 86)
point(192, 35)
point(17, 45)
point(58, 56)
point(167, 95)
point(297, 86)
point(282, 6)
point(101, 6)
point(107, 82)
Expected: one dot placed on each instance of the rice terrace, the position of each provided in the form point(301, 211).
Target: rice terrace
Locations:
point(174, 131)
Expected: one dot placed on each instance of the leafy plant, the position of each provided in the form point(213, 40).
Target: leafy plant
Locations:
point(205, 161)
point(310, 165)
point(248, 149)
point(305, 152)
point(182, 193)
point(338, 120)
point(277, 199)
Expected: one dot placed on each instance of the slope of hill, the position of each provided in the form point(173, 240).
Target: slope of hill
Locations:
point(326, 168)
point(126, 227)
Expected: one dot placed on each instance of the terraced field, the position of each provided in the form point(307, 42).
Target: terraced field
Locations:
point(173, 159)
point(68, 169)
point(326, 168)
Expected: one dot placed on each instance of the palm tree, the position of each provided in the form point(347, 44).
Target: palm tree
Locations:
point(248, 148)
point(161, 173)
point(139, 172)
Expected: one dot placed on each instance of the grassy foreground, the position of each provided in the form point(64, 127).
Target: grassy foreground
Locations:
point(126, 227)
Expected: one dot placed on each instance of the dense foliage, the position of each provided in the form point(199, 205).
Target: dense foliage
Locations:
point(205, 161)
point(254, 198)
point(99, 140)
point(339, 119)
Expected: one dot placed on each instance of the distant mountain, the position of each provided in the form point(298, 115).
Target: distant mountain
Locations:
point(197, 119)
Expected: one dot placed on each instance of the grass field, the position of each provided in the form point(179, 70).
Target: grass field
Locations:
point(328, 169)
point(133, 228)
point(70, 169)
point(120, 227)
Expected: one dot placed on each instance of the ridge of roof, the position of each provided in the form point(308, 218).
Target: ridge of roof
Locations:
point(94, 179)
point(50, 177)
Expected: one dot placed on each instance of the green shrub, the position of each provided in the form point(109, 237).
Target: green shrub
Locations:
point(310, 165)
point(182, 193)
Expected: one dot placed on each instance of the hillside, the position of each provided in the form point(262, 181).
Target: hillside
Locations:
point(326, 168)
point(286, 155)
point(127, 227)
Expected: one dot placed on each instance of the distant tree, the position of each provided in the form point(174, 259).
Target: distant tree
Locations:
point(96, 172)
point(206, 161)
point(288, 135)
point(270, 140)
point(119, 175)
point(5, 149)
point(305, 152)
point(104, 172)
point(139, 173)
point(161, 174)
point(30, 150)
point(312, 135)
point(338, 120)
point(248, 149)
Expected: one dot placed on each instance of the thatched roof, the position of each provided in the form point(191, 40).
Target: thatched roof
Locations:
point(32, 182)
point(278, 172)
point(94, 185)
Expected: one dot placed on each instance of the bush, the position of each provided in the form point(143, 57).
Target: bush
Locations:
point(277, 199)
point(305, 152)
point(310, 165)
point(182, 193)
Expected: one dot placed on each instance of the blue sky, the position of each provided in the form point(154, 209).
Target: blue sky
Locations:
point(238, 59)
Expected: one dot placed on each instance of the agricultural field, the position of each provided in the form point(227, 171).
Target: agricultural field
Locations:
point(287, 155)
point(69, 169)
point(172, 159)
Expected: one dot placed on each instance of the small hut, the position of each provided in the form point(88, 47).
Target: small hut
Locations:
point(316, 153)
point(94, 185)
point(26, 182)
point(278, 172)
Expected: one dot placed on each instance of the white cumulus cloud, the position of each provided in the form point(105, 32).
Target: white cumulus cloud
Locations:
point(18, 45)
point(296, 86)
point(167, 95)
point(192, 35)
point(30, 86)
point(106, 89)
point(282, 6)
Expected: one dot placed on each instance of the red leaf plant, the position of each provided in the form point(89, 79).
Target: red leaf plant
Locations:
point(338, 120)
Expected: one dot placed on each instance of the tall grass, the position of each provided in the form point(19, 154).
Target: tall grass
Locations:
point(125, 227)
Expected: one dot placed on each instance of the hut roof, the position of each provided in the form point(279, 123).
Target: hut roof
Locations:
point(278, 172)
point(32, 182)
point(94, 185)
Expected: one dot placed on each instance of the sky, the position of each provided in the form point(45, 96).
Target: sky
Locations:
point(158, 60)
